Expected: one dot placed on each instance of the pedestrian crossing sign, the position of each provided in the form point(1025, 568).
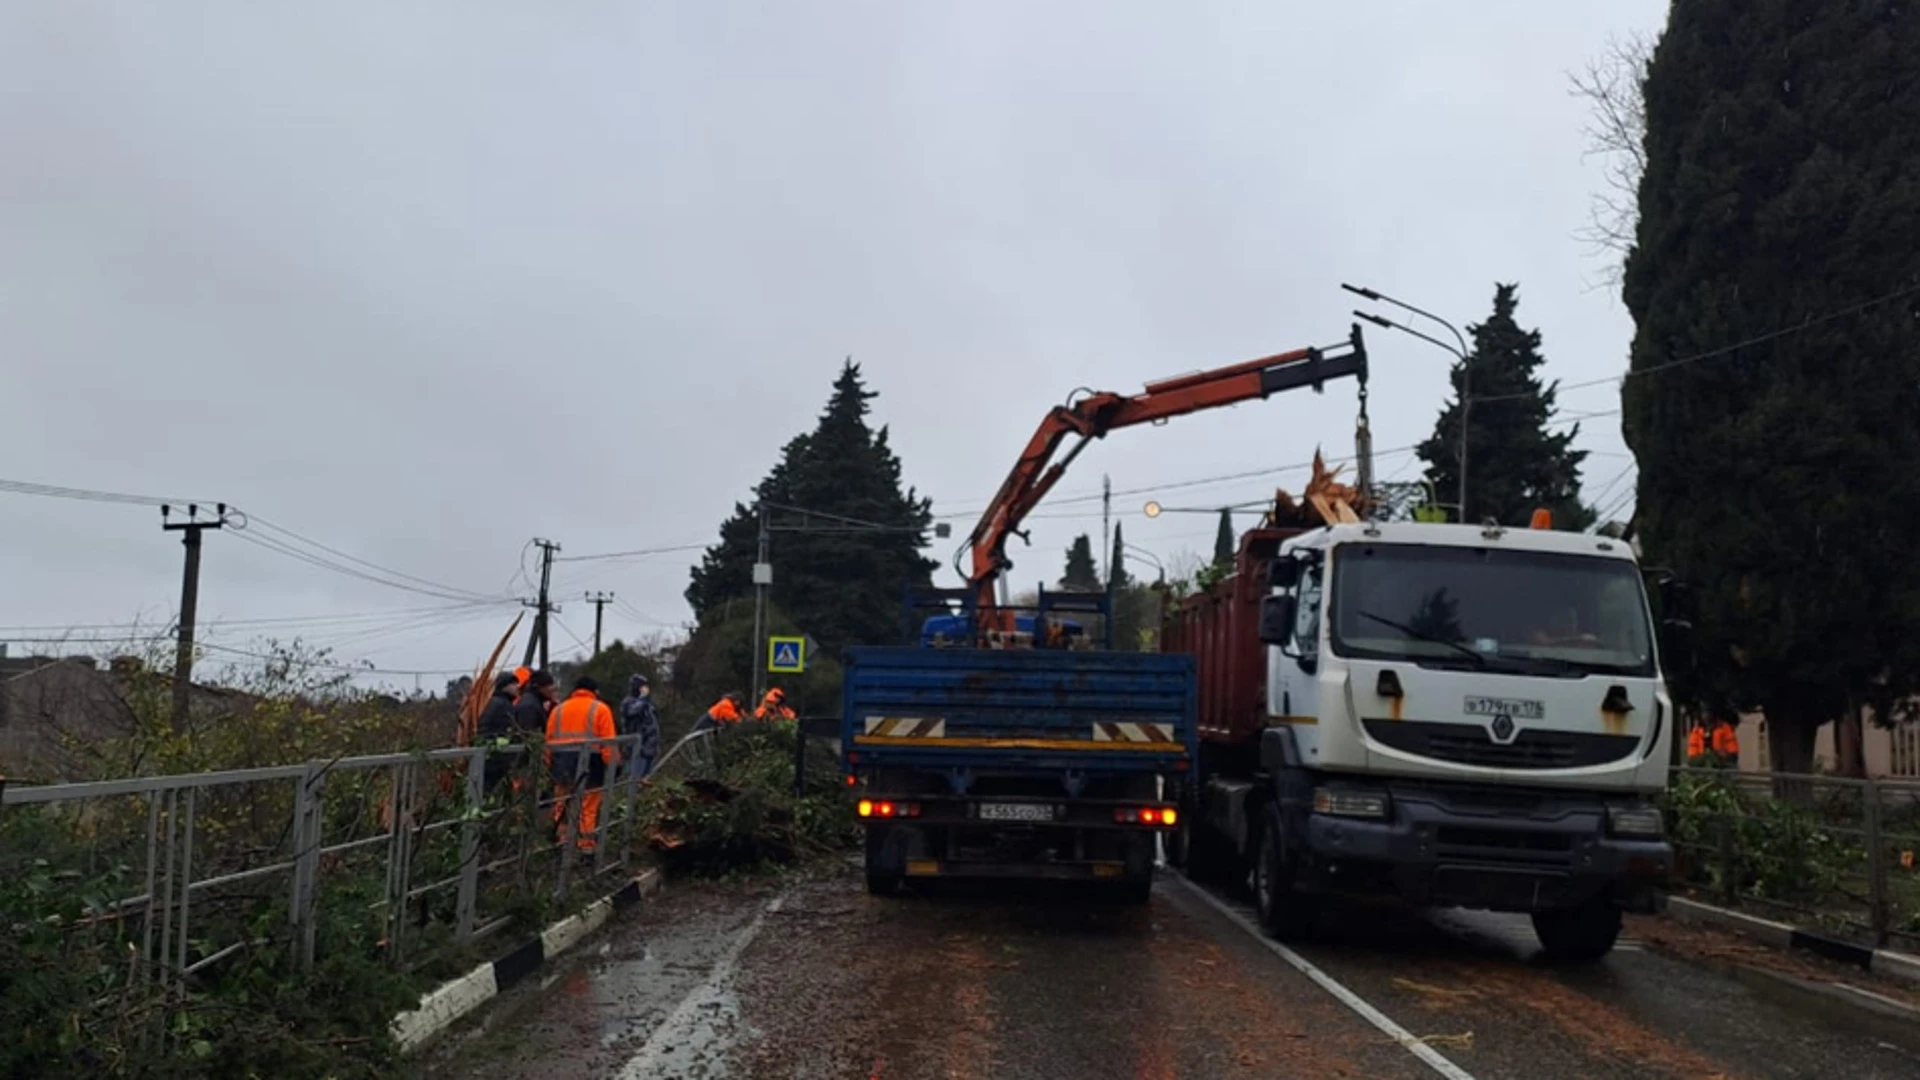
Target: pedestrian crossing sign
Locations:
point(787, 655)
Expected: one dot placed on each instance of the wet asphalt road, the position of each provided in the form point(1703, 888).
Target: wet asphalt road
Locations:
point(813, 979)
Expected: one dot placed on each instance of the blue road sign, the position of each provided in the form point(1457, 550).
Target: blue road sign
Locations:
point(787, 655)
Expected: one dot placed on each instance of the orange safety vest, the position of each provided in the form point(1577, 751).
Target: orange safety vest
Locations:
point(723, 712)
point(773, 707)
point(1697, 742)
point(1725, 741)
point(581, 717)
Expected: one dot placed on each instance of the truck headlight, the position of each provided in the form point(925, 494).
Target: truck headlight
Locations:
point(1635, 821)
point(1360, 804)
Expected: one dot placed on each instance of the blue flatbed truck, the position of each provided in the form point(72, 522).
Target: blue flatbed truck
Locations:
point(1043, 763)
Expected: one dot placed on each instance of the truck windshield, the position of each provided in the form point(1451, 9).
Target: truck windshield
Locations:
point(1501, 609)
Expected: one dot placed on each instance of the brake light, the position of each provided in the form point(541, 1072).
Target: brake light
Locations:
point(867, 808)
point(1145, 815)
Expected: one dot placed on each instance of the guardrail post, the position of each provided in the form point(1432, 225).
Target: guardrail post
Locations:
point(1876, 868)
point(306, 861)
point(470, 842)
point(399, 858)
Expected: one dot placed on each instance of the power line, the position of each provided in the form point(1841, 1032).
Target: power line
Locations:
point(634, 554)
point(283, 530)
point(269, 621)
point(1759, 339)
point(55, 491)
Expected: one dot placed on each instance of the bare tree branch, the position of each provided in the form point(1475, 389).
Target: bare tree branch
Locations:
point(1616, 131)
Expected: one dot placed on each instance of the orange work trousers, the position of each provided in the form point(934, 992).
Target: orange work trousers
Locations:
point(589, 813)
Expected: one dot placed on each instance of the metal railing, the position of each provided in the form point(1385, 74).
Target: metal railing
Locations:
point(1825, 853)
point(426, 851)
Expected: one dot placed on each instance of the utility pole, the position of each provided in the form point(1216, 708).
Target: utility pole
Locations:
point(190, 531)
point(762, 578)
point(544, 606)
point(1106, 526)
point(599, 600)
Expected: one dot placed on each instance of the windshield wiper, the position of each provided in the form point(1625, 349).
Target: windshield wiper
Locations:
point(1479, 658)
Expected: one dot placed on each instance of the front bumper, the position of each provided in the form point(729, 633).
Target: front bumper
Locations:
point(1497, 849)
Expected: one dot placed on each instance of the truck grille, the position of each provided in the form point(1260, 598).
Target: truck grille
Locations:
point(1467, 744)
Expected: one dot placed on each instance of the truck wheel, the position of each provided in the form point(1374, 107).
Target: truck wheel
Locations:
point(880, 882)
point(1578, 935)
point(1284, 914)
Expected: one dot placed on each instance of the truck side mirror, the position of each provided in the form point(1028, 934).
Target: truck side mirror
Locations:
point(1283, 573)
point(1276, 619)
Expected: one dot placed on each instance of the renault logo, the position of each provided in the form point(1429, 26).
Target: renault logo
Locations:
point(1502, 729)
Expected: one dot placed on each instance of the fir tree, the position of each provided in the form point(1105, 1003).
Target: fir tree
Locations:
point(1081, 574)
point(1515, 462)
point(839, 580)
point(1117, 576)
point(1772, 412)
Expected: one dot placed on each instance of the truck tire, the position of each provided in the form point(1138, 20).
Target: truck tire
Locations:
point(1284, 913)
point(1578, 935)
point(880, 881)
point(1134, 892)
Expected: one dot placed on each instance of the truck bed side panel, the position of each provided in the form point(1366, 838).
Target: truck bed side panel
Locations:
point(1042, 709)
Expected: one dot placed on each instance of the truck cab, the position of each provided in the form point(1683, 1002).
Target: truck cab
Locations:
point(1455, 715)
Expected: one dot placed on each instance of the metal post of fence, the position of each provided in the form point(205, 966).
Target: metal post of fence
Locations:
point(153, 868)
point(171, 818)
point(399, 868)
point(470, 842)
point(633, 802)
point(1876, 868)
point(186, 877)
point(307, 837)
point(1723, 834)
point(570, 827)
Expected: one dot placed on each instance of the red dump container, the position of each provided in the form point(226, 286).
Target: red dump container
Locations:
point(1220, 628)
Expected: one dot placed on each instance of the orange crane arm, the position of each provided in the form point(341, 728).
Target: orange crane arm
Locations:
point(1091, 417)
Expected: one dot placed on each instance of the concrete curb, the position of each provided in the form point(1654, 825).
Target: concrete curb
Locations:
point(1782, 936)
point(442, 1007)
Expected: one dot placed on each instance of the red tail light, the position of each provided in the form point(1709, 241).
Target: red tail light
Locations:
point(867, 808)
point(1163, 816)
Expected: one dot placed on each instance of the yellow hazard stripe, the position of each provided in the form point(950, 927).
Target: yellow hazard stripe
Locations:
point(1014, 744)
point(1293, 719)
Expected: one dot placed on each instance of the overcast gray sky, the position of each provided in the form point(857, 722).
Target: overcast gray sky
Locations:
point(420, 282)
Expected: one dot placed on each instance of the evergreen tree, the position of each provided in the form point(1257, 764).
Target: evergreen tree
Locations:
point(1117, 576)
point(1081, 574)
point(1515, 462)
point(1773, 416)
point(840, 580)
point(1223, 541)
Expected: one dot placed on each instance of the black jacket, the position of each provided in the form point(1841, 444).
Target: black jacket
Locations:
point(496, 720)
point(529, 716)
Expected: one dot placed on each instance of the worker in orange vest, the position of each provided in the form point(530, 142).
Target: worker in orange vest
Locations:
point(724, 711)
point(1725, 742)
point(572, 722)
point(773, 706)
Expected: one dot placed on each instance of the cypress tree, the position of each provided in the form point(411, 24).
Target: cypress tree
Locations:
point(1081, 574)
point(1515, 462)
point(1776, 385)
point(841, 582)
point(1223, 545)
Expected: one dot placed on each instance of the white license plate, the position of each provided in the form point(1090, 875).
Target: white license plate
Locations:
point(1016, 811)
point(1517, 708)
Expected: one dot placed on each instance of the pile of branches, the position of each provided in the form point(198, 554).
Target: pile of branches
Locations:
point(730, 805)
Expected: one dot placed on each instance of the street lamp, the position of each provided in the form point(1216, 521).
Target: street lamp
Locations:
point(1149, 556)
point(1466, 370)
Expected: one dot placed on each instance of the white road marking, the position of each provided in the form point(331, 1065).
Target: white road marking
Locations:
point(691, 1020)
point(1428, 1056)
